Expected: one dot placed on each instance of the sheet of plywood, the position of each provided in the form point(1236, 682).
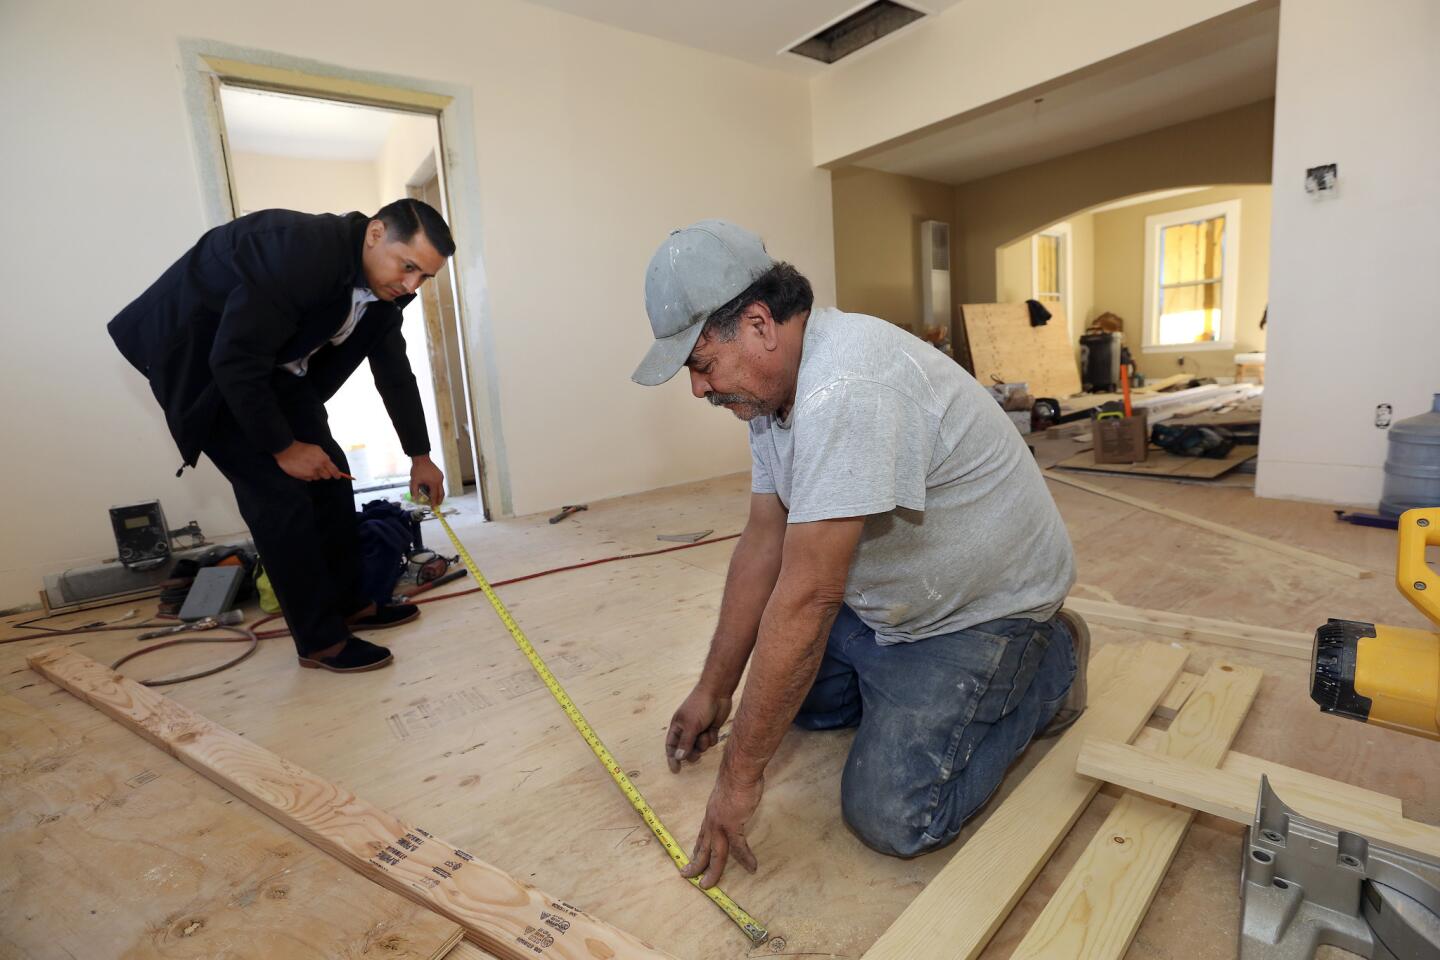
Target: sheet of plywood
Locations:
point(1004, 345)
point(1234, 795)
point(957, 912)
point(507, 917)
point(1319, 560)
point(110, 849)
point(1283, 778)
point(1097, 909)
point(1158, 463)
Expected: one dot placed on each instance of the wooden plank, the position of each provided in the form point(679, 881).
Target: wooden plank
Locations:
point(1283, 778)
point(1234, 795)
point(1284, 643)
point(1098, 908)
point(1176, 696)
point(125, 851)
point(505, 916)
point(958, 912)
point(1004, 345)
point(1159, 463)
point(1274, 546)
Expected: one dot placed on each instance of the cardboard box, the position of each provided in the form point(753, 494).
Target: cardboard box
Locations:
point(1121, 439)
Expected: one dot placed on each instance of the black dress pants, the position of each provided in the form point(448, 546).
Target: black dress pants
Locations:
point(306, 532)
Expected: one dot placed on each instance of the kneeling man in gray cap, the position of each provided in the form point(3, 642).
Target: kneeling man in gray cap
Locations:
point(902, 568)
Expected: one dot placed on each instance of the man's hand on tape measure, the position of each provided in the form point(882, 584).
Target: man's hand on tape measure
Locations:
point(695, 727)
point(424, 475)
point(306, 461)
point(722, 836)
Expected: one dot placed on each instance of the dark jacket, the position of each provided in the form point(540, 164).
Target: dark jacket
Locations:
point(259, 291)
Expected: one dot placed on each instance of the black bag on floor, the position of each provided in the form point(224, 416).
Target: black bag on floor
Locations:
point(1193, 441)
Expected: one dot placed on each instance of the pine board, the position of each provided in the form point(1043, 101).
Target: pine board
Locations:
point(1176, 696)
point(110, 849)
point(1234, 795)
point(958, 912)
point(1283, 778)
point(1284, 643)
point(1098, 908)
point(1004, 345)
point(505, 916)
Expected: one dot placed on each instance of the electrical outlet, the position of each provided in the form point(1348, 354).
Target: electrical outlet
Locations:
point(1321, 179)
point(1383, 415)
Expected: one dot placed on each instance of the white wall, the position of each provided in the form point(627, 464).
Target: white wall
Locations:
point(977, 52)
point(1353, 322)
point(592, 144)
point(310, 185)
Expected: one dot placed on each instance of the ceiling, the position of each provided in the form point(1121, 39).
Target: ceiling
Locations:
point(757, 31)
point(260, 121)
point(1212, 67)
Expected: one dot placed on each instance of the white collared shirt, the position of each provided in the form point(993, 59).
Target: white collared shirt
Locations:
point(359, 298)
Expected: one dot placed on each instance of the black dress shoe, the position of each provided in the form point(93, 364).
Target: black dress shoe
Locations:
point(391, 615)
point(356, 656)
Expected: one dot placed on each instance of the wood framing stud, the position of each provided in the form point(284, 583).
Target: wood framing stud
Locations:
point(1283, 643)
point(1099, 906)
point(1176, 696)
point(507, 917)
point(1274, 546)
point(1284, 778)
point(959, 911)
point(1233, 795)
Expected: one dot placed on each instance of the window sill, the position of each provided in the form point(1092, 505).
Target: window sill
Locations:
point(1190, 347)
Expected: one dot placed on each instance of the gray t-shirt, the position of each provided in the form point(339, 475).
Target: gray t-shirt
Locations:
point(961, 529)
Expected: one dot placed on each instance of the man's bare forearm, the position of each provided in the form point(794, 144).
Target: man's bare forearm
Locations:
point(791, 644)
point(754, 568)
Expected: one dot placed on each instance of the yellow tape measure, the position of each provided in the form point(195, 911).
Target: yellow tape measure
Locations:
point(753, 928)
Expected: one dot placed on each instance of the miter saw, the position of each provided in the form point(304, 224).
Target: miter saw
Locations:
point(1307, 883)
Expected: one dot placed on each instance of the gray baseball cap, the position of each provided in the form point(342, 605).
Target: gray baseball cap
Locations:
point(696, 271)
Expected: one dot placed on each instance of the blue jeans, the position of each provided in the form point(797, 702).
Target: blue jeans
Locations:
point(940, 721)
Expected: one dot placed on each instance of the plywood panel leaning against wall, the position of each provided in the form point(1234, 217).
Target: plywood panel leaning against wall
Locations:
point(1005, 347)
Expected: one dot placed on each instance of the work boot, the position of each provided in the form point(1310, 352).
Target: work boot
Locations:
point(357, 656)
point(1075, 701)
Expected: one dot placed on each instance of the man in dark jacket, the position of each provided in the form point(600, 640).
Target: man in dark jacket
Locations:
point(243, 340)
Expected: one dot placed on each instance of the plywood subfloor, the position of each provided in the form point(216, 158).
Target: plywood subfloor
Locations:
point(459, 738)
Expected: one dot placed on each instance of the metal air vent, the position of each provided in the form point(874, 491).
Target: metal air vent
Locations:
point(859, 29)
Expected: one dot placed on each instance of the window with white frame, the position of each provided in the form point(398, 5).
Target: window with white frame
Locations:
point(1192, 278)
point(1050, 264)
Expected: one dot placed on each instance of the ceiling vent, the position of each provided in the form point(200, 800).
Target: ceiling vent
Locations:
point(859, 29)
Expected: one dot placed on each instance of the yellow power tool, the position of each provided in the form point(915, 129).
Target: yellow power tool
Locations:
point(1388, 676)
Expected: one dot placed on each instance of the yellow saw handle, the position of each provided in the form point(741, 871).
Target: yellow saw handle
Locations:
point(1417, 581)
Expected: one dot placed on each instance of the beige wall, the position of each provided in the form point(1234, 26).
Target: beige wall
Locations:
point(979, 52)
point(591, 144)
point(305, 184)
point(1120, 277)
point(1014, 271)
point(1229, 147)
point(877, 240)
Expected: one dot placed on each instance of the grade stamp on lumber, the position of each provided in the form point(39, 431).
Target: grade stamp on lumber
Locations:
point(507, 917)
point(1228, 633)
point(1098, 907)
point(1283, 778)
point(959, 911)
point(1234, 533)
point(1233, 795)
point(108, 848)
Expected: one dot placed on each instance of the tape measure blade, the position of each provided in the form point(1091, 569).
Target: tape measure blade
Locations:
point(751, 927)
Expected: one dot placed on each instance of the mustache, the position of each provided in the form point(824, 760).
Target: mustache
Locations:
point(720, 399)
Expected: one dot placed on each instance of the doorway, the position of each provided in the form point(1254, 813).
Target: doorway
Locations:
point(320, 155)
